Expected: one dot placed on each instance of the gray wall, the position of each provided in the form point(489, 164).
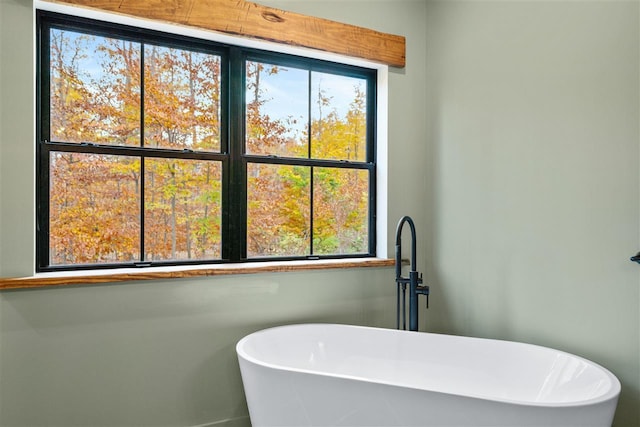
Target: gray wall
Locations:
point(514, 144)
point(16, 129)
point(534, 131)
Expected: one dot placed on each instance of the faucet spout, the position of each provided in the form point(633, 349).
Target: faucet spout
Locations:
point(414, 280)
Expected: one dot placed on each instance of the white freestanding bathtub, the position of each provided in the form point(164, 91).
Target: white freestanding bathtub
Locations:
point(340, 375)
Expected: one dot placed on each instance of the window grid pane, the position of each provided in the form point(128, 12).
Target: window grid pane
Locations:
point(338, 117)
point(182, 200)
point(278, 210)
point(340, 211)
point(94, 89)
point(181, 99)
point(276, 110)
point(94, 209)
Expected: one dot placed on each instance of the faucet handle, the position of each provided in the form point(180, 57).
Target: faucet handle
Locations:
point(423, 290)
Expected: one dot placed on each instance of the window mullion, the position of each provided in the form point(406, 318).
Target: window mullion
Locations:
point(309, 141)
point(43, 200)
point(372, 102)
point(43, 165)
point(234, 242)
point(142, 158)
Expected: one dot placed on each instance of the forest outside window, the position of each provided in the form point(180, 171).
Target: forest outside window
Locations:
point(158, 149)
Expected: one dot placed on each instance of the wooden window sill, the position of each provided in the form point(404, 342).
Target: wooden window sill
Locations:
point(70, 278)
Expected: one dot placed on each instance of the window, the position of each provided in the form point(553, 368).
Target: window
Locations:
point(158, 149)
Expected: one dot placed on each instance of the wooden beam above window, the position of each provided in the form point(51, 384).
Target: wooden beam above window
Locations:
point(252, 20)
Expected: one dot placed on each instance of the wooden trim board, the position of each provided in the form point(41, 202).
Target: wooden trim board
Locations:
point(252, 20)
point(77, 278)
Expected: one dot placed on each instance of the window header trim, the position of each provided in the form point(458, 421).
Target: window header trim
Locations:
point(248, 19)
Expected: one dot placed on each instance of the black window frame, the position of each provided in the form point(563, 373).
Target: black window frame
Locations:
point(232, 155)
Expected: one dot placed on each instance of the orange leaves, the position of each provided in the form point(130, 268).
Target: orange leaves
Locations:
point(93, 206)
point(182, 99)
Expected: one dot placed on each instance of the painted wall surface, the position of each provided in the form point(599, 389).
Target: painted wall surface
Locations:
point(161, 353)
point(16, 130)
point(534, 135)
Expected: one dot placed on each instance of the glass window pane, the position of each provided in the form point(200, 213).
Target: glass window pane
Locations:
point(276, 110)
point(340, 215)
point(338, 117)
point(182, 209)
point(278, 200)
point(94, 209)
point(181, 99)
point(94, 88)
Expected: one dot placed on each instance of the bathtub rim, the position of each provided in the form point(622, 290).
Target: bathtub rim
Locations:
point(612, 393)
